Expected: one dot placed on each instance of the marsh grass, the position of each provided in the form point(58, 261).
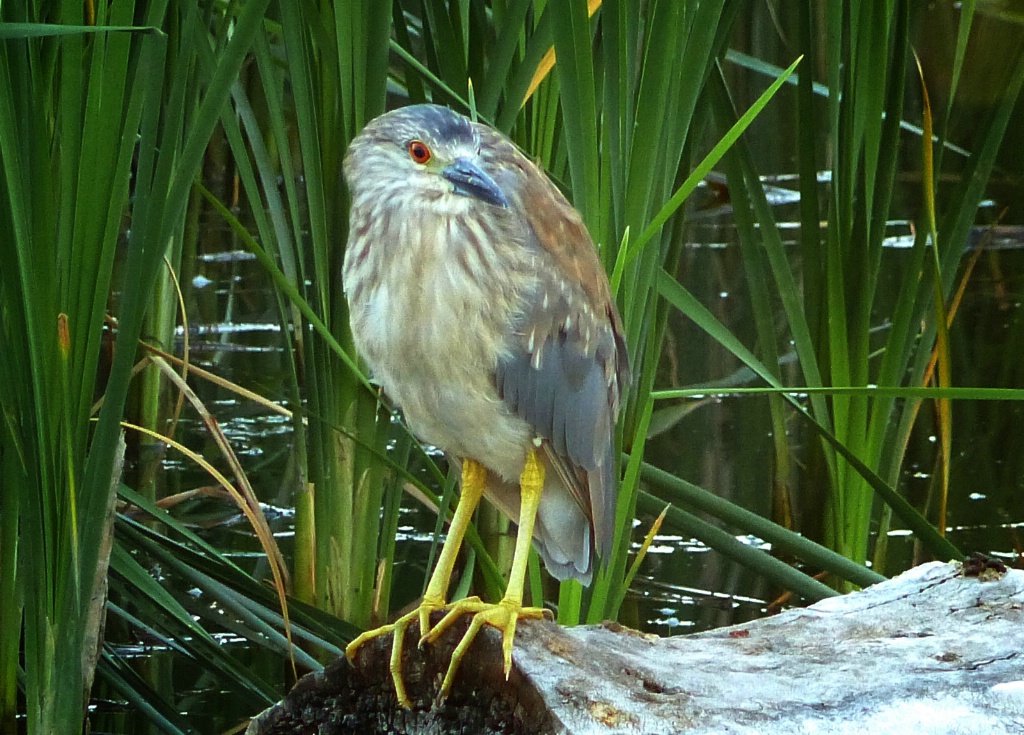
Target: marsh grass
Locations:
point(84, 108)
point(104, 124)
point(829, 312)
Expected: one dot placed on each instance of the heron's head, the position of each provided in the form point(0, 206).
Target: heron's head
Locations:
point(424, 156)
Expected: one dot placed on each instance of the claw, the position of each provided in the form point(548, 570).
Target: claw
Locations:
point(397, 631)
point(504, 616)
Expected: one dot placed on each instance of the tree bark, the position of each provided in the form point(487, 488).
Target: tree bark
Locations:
point(938, 650)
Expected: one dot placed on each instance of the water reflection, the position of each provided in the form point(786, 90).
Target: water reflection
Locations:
point(717, 443)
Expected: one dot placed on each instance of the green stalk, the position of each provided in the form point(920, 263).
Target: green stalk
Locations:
point(91, 84)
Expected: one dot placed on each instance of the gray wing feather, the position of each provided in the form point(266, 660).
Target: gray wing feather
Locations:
point(561, 398)
point(567, 389)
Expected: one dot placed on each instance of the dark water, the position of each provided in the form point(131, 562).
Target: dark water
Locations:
point(723, 445)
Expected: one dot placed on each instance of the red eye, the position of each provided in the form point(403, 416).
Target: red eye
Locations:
point(418, 151)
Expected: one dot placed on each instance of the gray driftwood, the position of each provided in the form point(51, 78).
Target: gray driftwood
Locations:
point(933, 651)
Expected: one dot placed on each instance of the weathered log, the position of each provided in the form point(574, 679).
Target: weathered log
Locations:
point(937, 650)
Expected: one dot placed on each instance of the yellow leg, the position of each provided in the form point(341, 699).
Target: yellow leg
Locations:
point(473, 479)
point(505, 614)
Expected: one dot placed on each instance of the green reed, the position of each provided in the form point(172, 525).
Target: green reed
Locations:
point(81, 98)
point(625, 115)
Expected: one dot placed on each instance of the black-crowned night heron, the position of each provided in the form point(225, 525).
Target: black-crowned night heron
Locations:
point(479, 304)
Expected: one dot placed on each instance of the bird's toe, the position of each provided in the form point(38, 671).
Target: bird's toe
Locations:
point(503, 615)
point(397, 630)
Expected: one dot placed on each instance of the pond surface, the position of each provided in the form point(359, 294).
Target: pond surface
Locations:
point(722, 444)
point(683, 586)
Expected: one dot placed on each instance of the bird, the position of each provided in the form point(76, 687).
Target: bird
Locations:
point(478, 301)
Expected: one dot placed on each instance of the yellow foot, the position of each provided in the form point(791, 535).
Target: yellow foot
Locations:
point(503, 616)
point(397, 629)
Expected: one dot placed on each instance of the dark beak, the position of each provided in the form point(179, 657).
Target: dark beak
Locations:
point(469, 180)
